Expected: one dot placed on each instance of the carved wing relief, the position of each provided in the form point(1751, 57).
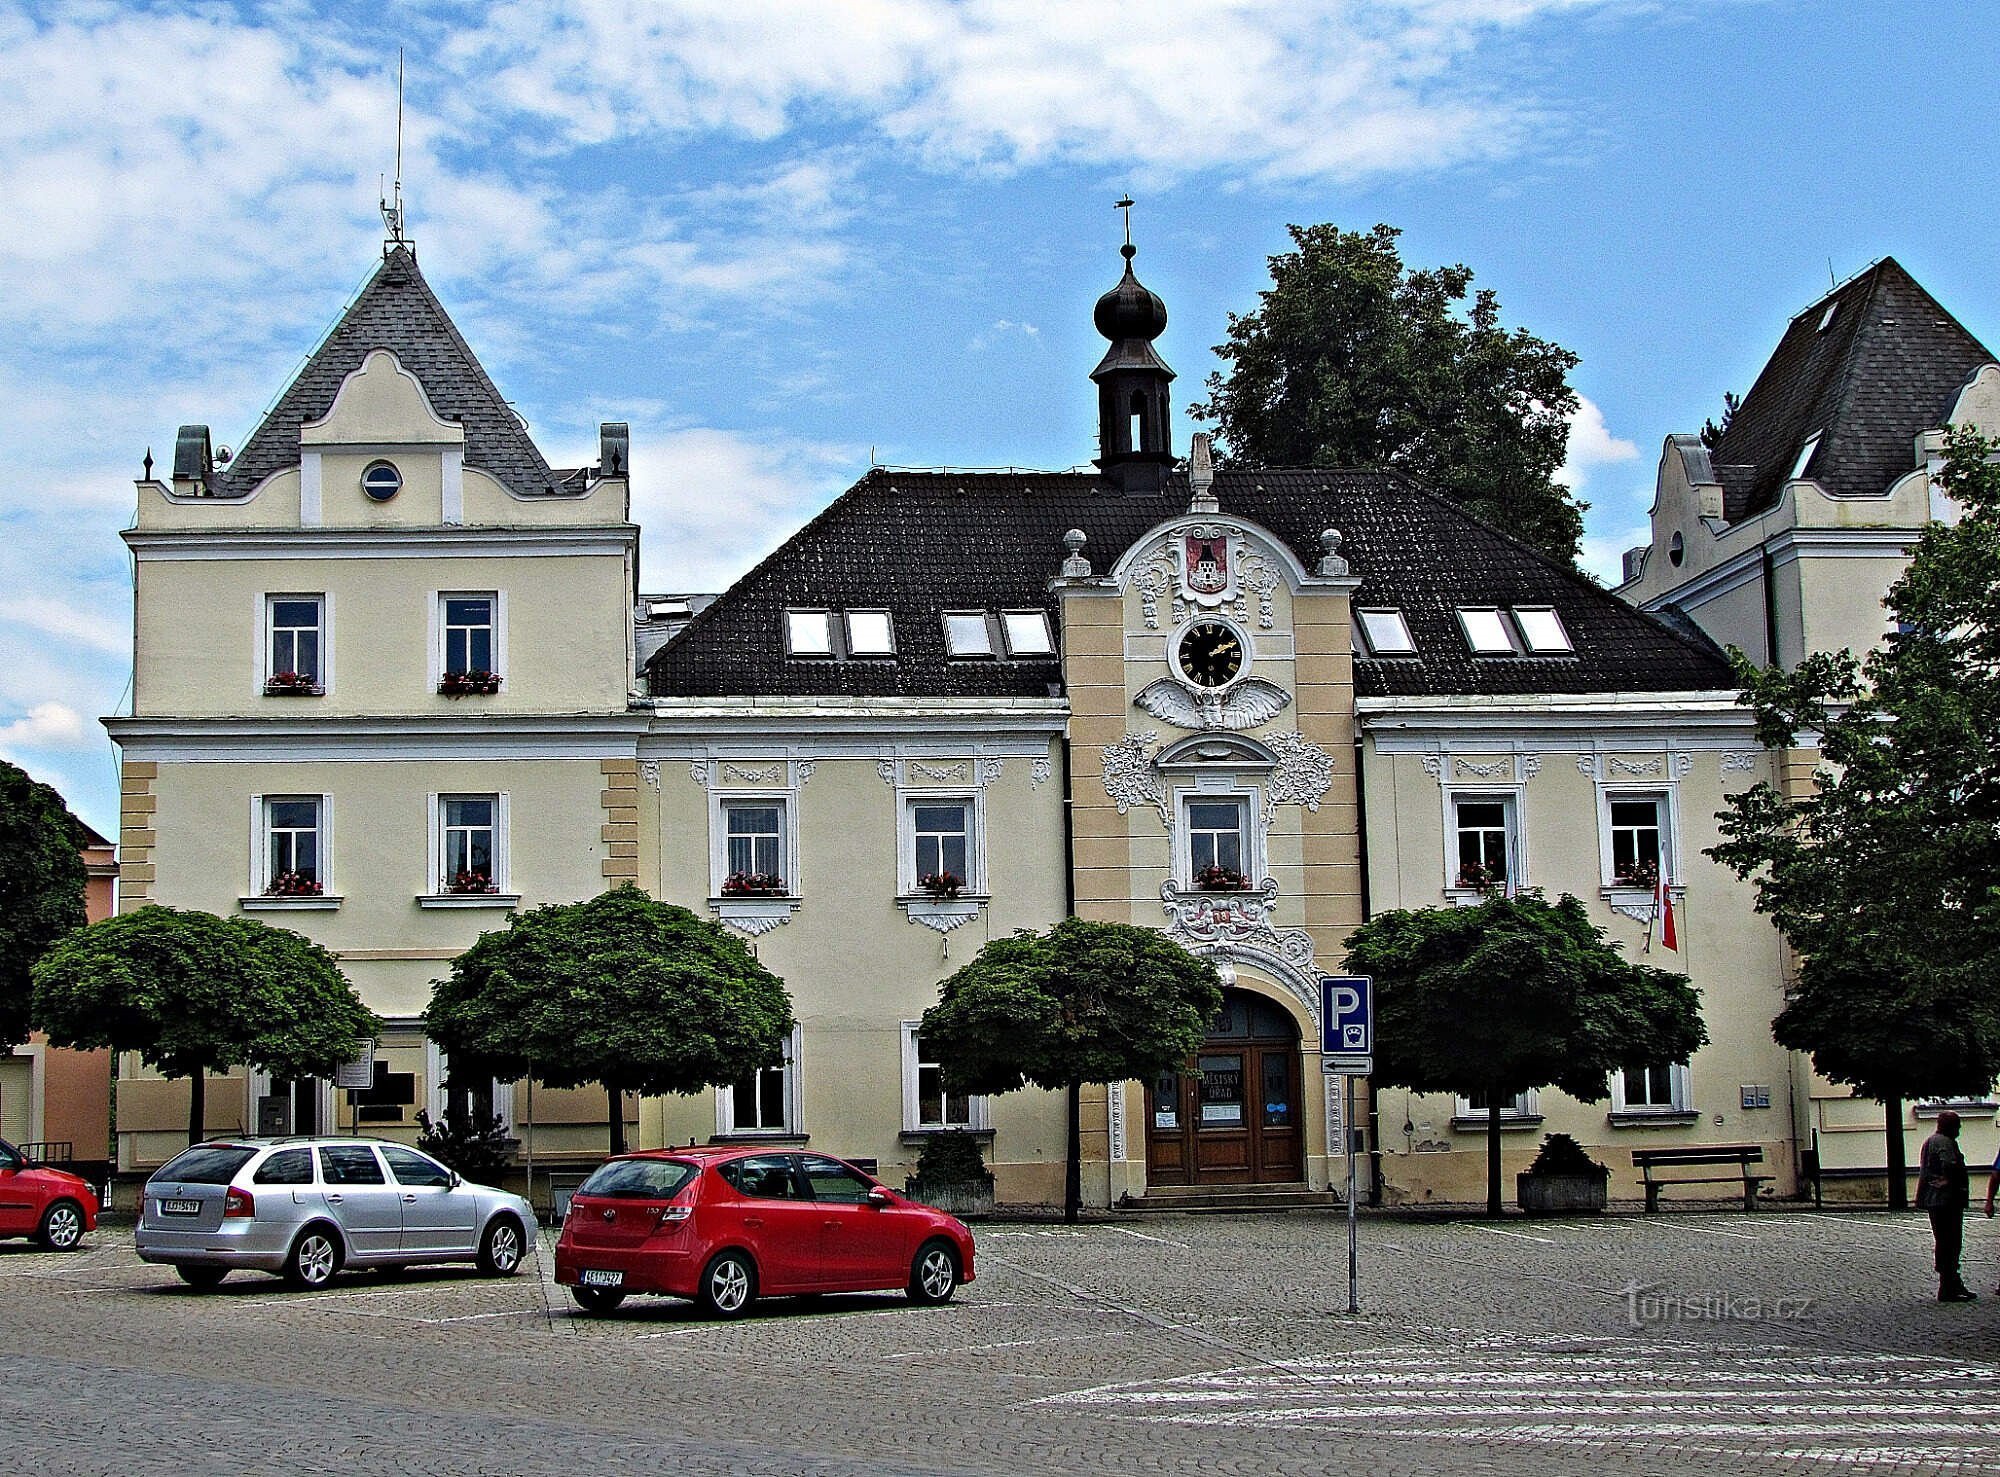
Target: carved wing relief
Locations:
point(1246, 705)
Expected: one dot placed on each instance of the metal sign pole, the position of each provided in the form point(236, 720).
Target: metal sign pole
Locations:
point(1353, 1238)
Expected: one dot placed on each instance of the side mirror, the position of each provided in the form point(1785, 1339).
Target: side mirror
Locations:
point(879, 1197)
point(455, 1180)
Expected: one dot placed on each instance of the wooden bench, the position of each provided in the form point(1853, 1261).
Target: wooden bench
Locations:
point(1742, 1156)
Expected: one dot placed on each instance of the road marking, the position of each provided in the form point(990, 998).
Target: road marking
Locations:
point(1712, 1231)
point(1517, 1235)
point(1142, 1236)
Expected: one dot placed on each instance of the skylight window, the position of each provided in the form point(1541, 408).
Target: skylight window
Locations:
point(1805, 456)
point(966, 633)
point(1386, 632)
point(1486, 632)
point(1542, 629)
point(870, 634)
point(1027, 633)
point(809, 633)
point(1826, 318)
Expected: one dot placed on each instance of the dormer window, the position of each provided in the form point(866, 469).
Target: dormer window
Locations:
point(869, 633)
point(967, 634)
point(1485, 631)
point(1543, 630)
point(381, 481)
point(1385, 632)
point(809, 633)
point(1826, 318)
point(1027, 632)
point(1805, 456)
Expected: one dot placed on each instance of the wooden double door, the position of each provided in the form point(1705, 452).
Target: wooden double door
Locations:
point(1235, 1115)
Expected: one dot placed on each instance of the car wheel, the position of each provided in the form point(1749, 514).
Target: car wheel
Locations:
point(500, 1247)
point(728, 1285)
point(62, 1226)
point(314, 1258)
point(202, 1278)
point(934, 1274)
point(596, 1299)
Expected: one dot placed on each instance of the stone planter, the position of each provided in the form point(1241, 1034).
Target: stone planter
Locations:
point(961, 1198)
point(1562, 1194)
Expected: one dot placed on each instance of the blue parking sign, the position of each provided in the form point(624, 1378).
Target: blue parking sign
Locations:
point(1347, 1015)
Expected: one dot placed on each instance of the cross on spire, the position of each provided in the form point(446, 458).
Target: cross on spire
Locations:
point(1126, 206)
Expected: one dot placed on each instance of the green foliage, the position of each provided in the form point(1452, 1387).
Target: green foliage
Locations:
point(1561, 1154)
point(1882, 873)
point(1351, 360)
point(191, 992)
point(1085, 1002)
point(1512, 994)
point(639, 995)
point(479, 1146)
point(41, 887)
point(953, 1158)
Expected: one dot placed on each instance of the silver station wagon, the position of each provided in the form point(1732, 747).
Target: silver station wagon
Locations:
point(306, 1207)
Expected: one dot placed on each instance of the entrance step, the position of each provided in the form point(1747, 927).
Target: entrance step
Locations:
point(1236, 1198)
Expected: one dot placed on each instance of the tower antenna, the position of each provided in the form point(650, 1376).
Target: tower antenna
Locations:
point(392, 205)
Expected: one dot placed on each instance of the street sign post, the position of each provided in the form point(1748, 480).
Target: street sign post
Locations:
point(1347, 1051)
point(356, 1076)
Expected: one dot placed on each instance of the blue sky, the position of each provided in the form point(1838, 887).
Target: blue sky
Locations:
point(779, 238)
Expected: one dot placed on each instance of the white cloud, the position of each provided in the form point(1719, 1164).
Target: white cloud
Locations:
point(46, 726)
point(1591, 445)
point(1006, 328)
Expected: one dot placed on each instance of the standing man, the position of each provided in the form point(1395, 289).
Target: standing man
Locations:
point(1943, 1189)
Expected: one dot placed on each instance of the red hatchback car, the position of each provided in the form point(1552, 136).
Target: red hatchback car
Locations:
point(49, 1204)
point(726, 1225)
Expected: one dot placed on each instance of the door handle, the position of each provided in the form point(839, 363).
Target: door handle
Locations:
point(753, 1220)
point(409, 1200)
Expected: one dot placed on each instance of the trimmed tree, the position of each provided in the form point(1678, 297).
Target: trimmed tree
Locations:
point(622, 990)
point(1084, 1002)
point(193, 994)
point(42, 882)
point(1514, 994)
point(1880, 874)
point(1352, 360)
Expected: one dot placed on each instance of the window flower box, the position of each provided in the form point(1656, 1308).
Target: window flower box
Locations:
point(294, 884)
point(1477, 878)
point(292, 684)
point(753, 884)
point(1221, 879)
point(940, 886)
point(1638, 876)
point(469, 884)
point(474, 683)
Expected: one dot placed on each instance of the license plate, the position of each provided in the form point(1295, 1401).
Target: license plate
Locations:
point(180, 1207)
point(603, 1279)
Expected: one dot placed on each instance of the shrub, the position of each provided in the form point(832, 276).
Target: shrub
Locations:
point(1561, 1154)
point(480, 1148)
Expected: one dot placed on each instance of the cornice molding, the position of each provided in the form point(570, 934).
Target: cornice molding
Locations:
point(156, 544)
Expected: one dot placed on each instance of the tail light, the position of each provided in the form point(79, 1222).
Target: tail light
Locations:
point(673, 1217)
point(238, 1205)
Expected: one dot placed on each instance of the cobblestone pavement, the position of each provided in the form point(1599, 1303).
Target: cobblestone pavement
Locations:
point(1774, 1343)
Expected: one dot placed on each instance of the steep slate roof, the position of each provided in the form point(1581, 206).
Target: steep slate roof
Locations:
point(922, 543)
point(1885, 369)
point(396, 311)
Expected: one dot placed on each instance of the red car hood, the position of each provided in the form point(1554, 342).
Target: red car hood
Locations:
point(54, 1179)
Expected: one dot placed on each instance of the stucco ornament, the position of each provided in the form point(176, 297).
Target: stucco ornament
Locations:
point(1226, 922)
point(1244, 704)
point(1303, 776)
point(1261, 580)
point(1041, 772)
point(1129, 776)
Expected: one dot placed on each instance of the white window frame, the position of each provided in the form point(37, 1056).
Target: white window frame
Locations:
point(1362, 622)
point(794, 1124)
point(267, 635)
point(1806, 450)
point(987, 651)
point(1527, 1107)
point(1218, 791)
point(826, 622)
point(1667, 798)
point(908, 798)
point(438, 598)
point(887, 653)
point(1680, 1083)
point(260, 840)
point(1535, 648)
point(975, 1105)
point(1465, 619)
point(787, 802)
point(503, 869)
point(1047, 648)
point(1514, 799)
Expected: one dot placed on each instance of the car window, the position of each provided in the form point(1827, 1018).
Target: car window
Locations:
point(286, 1167)
point(767, 1176)
point(349, 1164)
point(832, 1180)
point(10, 1157)
point(206, 1164)
point(640, 1179)
point(411, 1168)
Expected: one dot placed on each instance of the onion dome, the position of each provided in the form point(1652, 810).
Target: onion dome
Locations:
point(1131, 309)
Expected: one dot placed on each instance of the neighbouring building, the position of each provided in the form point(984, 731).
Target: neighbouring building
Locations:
point(1782, 537)
point(393, 677)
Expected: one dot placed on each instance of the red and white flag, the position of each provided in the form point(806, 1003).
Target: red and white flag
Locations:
point(1668, 939)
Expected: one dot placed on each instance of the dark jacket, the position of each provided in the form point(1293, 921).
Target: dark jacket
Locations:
point(1941, 1178)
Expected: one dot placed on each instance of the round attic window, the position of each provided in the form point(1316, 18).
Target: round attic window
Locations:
point(1677, 551)
point(381, 481)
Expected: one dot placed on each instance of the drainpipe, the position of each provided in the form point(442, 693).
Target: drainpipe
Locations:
point(1374, 1135)
point(1770, 606)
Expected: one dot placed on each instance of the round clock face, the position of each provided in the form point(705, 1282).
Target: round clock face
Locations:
point(1211, 654)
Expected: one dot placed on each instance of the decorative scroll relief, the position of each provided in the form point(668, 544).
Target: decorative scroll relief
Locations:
point(760, 774)
point(886, 768)
point(1741, 762)
point(1129, 776)
point(802, 771)
point(1262, 581)
point(1434, 766)
point(1303, 776)
point(1040, 772)
point(1152, 581)
point(1642, 766)
point(1586, 765)
point(1527, 766)
point(942, 914)
point(649, 771)
point(990, 769)
point(1226, 920)
point(753, 916)
point(698, 772)
point(942, 773)
point(1682, 763)
point(1246, 704)
point(1491, 771)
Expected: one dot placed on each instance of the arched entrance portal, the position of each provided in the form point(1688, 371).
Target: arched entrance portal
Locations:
point(1236, 1115)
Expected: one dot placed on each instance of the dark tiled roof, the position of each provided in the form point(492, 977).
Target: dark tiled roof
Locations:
point(1885, 369)
point(396, 311)
point(922, 543)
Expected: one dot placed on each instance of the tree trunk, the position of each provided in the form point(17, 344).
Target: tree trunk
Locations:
point(1493, 1153)
point(617, 1117)
point(1899, 1178)
point(197, 1106)
point(1073, 1168)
